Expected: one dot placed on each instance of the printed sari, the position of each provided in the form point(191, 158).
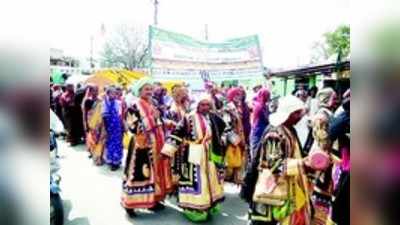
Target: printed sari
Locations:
point(147, 177)
point(114, 128)
point(235, 156)
point(96, 134)
point(201, 171)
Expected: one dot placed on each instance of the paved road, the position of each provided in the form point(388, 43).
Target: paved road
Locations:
point(91, 196)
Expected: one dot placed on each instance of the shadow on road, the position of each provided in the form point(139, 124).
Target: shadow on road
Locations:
point(105, 170)
point(67, 204)
point(78, 221)
point(172, 214)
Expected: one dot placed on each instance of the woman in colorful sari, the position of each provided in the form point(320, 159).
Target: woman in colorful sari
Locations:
point(322, 177)
point(113, 124)
point(96, 133)
point(235, 156)
point(56, 95)
point(121, 98)
point(259, 119)
point(201, 182)
point(87, 103)
point(179, 108)
point(244, 111)
point(147, 176)
point(70, 115)
point(276, 185)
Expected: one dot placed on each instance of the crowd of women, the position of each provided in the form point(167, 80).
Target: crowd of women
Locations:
point(189, 146)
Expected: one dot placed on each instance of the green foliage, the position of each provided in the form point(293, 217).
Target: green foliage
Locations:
point(332, 44)
point(338, 41)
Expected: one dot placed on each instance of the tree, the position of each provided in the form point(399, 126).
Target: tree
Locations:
point(125, 48)
point(336, 43)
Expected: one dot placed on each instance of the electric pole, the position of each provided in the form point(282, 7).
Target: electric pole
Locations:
point(206, 32)
point(91, 52)
point(155, 2)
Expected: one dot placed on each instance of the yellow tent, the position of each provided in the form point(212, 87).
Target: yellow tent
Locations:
point(115, 76)
point(124, 78)
point(170, 83)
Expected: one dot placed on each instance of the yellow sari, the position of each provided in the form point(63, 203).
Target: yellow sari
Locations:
point(96, 134)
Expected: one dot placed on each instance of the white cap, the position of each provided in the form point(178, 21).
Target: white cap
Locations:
point(286, 106)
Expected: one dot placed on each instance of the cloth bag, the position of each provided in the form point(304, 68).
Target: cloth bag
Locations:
point(271, 190)
point(196, 153)
point(233, 156)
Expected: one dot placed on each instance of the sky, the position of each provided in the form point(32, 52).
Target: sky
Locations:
point(286, 28)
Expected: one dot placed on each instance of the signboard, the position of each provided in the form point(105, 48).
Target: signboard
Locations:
point(179, 57)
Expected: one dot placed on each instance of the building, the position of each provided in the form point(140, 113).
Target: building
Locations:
point(335, 75)
point(67, 64)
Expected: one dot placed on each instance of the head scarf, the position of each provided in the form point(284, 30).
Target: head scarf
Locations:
point(89, 92)
point(56, 91)
point(324, 97)
point(70, 88)
point(262, 96)
point(178, 91)
point(259, 106)
point(110, 89)
point(203, 97)
point(137, 86)
point(67, 98)
point(245, 115)
point(232, 93)
point(159, 94)
point(111, 105)
point(208, 85)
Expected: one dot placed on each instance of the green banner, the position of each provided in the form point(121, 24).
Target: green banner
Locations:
point(177, 56)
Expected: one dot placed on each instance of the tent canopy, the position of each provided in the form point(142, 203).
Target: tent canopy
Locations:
point(115, 77)
point(125, 78)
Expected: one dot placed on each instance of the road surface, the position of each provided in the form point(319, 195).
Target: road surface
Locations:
point(91, 196)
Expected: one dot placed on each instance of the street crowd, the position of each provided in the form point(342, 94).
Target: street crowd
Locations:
point(290, 155)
